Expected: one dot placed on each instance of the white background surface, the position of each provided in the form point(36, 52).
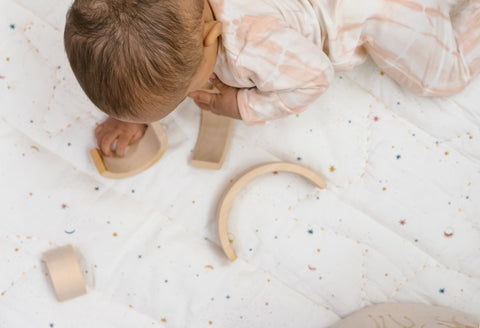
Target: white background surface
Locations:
point(399, 221)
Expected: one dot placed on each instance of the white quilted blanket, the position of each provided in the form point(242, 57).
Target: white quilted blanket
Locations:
point(399, 220)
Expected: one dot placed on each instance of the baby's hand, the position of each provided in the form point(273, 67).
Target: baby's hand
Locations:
point(124, 133)
point(223, 103)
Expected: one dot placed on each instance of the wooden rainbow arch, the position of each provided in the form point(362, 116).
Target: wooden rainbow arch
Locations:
point(230, 194)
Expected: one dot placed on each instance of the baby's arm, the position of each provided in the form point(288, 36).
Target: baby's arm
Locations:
point(284, 72)
point(124, 133)
point(289, 72)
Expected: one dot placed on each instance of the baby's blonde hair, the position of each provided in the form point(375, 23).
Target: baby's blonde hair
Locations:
point(132, 55)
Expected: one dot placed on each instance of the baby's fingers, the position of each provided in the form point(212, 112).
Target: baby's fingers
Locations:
point(106, 144)
point(202, 97)
point(122, 143)
point(217, 83)
point(204, 106)
point(98, 129)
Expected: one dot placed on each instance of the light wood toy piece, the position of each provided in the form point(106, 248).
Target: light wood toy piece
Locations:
point(138, 157)
point(65, 273)
point(396, 315)
point(213, 141)
point(213, 138)
point(230, 194)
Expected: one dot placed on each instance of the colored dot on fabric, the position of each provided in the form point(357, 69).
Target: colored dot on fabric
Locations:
point(398, 103)
point(310, 231)
point(228, 297)
point(69, 144)
point(31, 121)
point(442, 291)
point(398, 156)
point(133, 191)
point(299, 158)
point(332, 168)
point(448, 232)
point(12, 26)
point(52, 325)
point(97, 188)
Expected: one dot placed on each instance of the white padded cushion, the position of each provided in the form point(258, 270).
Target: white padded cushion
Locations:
point(411, 315)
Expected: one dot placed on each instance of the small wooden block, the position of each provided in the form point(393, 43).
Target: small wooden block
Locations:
point(138, 157)
point(65, 273)
point(213, 141)
point(229, 196)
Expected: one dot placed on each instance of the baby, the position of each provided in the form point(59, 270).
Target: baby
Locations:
point(138, 59)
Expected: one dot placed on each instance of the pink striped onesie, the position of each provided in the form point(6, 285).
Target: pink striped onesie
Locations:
point(283, 53)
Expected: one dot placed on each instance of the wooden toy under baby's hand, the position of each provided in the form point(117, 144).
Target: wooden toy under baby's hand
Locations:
point(230, 194)
point(213, 138)
point(65, 273)
point(138, 157)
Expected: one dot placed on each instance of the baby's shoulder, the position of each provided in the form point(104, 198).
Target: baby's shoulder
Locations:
point(235, 14)
point(245, 22)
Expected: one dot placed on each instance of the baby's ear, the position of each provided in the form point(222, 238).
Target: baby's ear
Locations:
point(211, 31)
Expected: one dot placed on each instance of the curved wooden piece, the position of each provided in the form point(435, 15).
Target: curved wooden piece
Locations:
point(65, 273)
point(229, 196)
point(138, 157)
point(391, 315)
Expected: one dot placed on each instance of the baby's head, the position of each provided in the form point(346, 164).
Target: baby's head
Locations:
point(137, 59)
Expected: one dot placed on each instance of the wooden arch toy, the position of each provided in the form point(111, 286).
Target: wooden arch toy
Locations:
point(230, 194)
point(138, 157)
